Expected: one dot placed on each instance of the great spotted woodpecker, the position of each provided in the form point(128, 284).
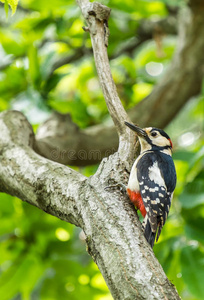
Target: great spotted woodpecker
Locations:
point(152, 180)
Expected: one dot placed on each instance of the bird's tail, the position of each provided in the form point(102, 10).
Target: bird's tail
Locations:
point(148, 233)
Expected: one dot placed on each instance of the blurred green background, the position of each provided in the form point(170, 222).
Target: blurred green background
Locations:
point(42, 257)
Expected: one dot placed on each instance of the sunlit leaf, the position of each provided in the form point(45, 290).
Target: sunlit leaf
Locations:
point(34, 67)
point(12, 280)
point(51, 82)
point(13, 4)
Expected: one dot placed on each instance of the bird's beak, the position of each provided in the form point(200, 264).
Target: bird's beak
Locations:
point(140, 132)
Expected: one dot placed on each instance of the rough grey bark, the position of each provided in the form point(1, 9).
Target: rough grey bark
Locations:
point(32, 178)
point(113, 232)
point(182, 81)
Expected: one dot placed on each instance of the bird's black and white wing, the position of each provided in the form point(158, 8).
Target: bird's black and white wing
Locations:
point(155, 195)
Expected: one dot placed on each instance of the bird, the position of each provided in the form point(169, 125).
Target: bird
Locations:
point(152, 179)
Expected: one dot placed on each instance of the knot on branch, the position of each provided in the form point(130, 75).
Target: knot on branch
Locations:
point(94, 12)
point(98, 10)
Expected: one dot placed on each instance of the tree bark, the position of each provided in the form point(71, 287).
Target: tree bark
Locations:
point(181, 82)
point(113, 232)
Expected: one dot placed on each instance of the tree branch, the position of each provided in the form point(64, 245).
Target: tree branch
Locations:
point(33, 178)
point(96, 16)
point(59, 139)
point(113, 231)
point(181, 81)
point(146, 31)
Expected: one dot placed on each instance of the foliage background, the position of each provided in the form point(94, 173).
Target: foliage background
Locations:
point(42, 257)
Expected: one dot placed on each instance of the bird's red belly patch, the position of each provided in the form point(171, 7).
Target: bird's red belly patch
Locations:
point(136, 199)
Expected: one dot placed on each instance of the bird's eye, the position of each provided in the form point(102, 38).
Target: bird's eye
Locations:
point(154, 133)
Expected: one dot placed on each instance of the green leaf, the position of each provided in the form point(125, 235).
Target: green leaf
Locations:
point(12, 280)
point(6, 8)
point(52, 82)
point(12, 43)
point(192, 268)
point(13, 4)
point(34, 68)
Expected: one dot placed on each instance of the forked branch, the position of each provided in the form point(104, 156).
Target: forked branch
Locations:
point(112, 228)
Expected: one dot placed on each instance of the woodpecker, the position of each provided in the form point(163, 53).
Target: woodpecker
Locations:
point(152, 180)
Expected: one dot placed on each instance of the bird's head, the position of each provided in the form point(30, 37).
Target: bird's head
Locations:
point(152, 138)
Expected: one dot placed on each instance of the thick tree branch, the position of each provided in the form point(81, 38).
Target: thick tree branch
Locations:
point(88, 146)
point(113, 231)
point(33, 178)
point(181, 81)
